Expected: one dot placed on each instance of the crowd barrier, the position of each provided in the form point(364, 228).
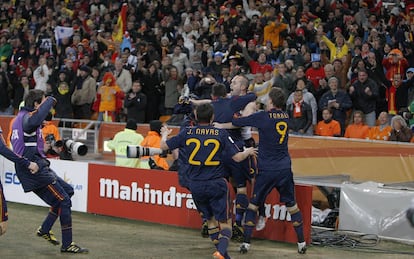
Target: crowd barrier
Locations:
point(148, 195)
point(362, 160)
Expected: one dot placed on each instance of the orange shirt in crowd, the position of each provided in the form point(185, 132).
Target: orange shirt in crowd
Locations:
point(153, 139)
point(376, 133)
point(331, 129)
point(360, 131)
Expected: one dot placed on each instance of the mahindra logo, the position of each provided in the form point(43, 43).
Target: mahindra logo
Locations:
point(112, 189)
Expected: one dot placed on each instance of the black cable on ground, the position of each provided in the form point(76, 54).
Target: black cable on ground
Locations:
point(341, 240)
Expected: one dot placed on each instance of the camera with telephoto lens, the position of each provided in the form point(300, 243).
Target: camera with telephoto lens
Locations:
point(75, 147)
point(137, 151)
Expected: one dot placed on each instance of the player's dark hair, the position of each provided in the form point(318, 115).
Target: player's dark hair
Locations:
point(277, 96)
point(218, 90)
point(34, 95)
point(204, 113)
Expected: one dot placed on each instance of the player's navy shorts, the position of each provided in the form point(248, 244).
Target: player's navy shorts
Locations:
point(239, 171)
point(212, 198)
point(282, 180)
point(3, 206)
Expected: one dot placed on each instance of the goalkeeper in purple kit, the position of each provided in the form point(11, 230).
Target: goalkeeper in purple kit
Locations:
point(274, 165)
point(27, 140)
point(204, 145)
point(10, 155)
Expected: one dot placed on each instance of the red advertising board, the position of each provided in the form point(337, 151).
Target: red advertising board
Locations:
point(155, 196)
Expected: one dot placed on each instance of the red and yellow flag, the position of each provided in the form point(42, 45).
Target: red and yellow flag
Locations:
point(121, 24)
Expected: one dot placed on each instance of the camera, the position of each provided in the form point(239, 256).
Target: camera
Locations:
point(75, 147)
point(137, 151)
point(140, 151)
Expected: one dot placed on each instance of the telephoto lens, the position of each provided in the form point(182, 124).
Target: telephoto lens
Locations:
point(76, 147)
point(133, 151)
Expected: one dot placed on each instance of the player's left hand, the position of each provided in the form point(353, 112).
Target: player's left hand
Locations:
point(33, 167)
point(165, 131)
point(252, 151)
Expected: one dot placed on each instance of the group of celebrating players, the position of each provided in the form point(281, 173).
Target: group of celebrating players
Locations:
point(216, 145)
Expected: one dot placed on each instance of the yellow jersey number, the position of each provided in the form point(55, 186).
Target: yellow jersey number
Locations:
point(207, 142)
point(281, 128)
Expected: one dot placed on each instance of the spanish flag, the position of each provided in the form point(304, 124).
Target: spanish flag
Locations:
point(121, 24)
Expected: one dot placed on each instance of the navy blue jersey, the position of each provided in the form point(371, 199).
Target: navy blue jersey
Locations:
point(224, 109)
point(204, 146)
point(273, 132)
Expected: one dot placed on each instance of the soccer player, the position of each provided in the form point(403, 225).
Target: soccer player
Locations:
point(27, 140)
point(204, 146)
point(274, 165)
point(224, 109)
point(32, 167)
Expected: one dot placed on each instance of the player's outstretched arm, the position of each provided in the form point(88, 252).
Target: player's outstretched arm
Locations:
point(251, 151)
point(227, 125)
point(165, 132)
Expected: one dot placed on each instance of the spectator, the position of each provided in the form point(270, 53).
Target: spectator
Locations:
point(216, 65)
point(308, 98)
point(397, 94)
point(84, 94)
point(154, 90)
point(328, 127)
point(109, 98)
point(394, 63)
point(376, 73)
point(173, 86)
point(357, 129)
point(315, 73)
point(341, 69)
point(62, 91)
point(400, 131)
point(121, 140)
point(122, 76)
point(41, 75)
point(300, 114)
point(136, 103)
point(364, 93)
point(273, 30)
point(383, 130)
point(339, 49)
point(261, 88)
point(284, 80)
point(338, 101)
point(179, 59)
point(260, 65)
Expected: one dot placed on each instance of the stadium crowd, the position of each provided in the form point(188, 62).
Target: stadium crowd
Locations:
point(340, 63)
